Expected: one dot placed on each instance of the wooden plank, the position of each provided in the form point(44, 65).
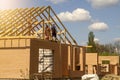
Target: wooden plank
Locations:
point(17, 37)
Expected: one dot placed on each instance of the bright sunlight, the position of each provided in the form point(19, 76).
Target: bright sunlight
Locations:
point(8, 4)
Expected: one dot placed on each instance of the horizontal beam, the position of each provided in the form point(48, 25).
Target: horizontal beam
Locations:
point(18, 37)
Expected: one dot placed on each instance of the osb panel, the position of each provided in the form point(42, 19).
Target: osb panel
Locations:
point(14, 63)
point(9, 43)
point(15, 42)
point(27, 42)
point(91, 59)
point(22, 42)
point(2, 43)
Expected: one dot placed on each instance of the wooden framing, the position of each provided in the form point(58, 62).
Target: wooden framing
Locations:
point(27, 22)
point(20, 59)
point(23, 30)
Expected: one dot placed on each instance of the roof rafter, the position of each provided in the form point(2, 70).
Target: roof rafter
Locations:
point(30, 21)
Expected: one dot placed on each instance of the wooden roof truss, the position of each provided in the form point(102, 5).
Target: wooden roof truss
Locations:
point(30, 22)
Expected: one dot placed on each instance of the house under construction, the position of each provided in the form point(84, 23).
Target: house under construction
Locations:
point(25, 53)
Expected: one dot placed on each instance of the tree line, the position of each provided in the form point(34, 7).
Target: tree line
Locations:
point(102, 49)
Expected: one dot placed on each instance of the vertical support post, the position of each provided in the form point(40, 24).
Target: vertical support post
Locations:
point(82, 59)
point(65, 36)
point(43, 29)
point(49, 20)
point(49, 13)
point(69, 60)
point(43, 64)
point(30, 25)
point(73, 59)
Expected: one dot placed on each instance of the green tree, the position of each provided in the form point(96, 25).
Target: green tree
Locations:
point(91, 42)
point(109, 49)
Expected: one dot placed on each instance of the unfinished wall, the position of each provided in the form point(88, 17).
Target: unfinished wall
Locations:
point(45, 44)
point(64, 58)
point(19, 58)
point(91, 61)
point(14, 58)
point(77, 60)
point(113, 65)
point(113, 59)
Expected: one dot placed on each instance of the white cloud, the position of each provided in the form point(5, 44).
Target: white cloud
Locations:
point(96, 40)
point(56, 1)
point(103, 3)
point(77, 15)
point(98, 26)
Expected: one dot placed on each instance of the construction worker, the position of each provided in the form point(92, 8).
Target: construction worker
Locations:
point(53, 29)
point(47, 32)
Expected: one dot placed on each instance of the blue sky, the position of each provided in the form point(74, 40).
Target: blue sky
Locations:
point(81, 16)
